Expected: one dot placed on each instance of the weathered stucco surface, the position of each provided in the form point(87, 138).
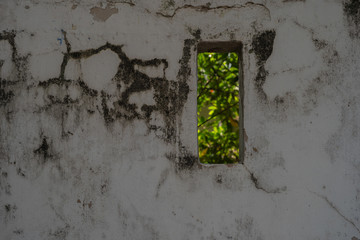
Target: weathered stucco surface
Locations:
point(98, 124)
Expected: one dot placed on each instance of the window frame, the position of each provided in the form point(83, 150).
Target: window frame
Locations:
point(225, 47)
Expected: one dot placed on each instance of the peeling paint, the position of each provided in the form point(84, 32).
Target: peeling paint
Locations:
point(103, 14)
point(205, 8)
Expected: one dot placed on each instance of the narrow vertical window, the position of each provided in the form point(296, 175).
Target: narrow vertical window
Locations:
point(219, 104)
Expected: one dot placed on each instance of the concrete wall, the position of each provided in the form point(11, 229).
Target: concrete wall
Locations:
point(98, 134)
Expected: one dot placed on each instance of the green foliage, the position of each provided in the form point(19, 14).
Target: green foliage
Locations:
point(218, 108)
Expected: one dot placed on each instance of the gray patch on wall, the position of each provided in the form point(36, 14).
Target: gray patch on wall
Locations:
point(102, 14)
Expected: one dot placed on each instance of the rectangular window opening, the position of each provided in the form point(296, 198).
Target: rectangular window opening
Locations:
point(220, 103)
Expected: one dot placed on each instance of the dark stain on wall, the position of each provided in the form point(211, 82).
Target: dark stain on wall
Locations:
point(107, 117)
point(262, 46)
point(5, 96)
point(165, 96)
point(86, 90)
point(66, 100)
point(352, 11)
point(219, 178)
point(18, 231)
point(4, 184)
point(186, 159)
point(10, 210)
point(43, 150)
point(8, 88)
point(10, 37)
point(20, 172)
point(104, 187)
point(20, 62)
point(169, 95)
point(319, 44)
point(259, 82)
point(60, 233)
point(7, 207)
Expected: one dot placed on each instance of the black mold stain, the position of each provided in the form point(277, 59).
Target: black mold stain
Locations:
point(60, 233)
point(320, 44)
point(7, 207)
point(18, 231)
point(4, 185)
point(107, 117)
point(169, 95)
point(104, 187)
point(352, 11)
point(166, 101)
point(262, 45)
point(10, 37)
point(55, 81)
point(43, 150)
point(66, 100)
point(219, 179)
point(279, 100)
point(10, 210)
point(20, 62)
point(184, 160)
point(20, 172)
point(6, 94)
point(87, 90)
point(246, 229)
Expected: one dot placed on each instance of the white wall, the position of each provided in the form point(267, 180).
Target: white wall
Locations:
point(98, 132)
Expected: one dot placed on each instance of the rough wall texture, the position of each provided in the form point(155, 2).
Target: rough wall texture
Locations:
point(98, 132)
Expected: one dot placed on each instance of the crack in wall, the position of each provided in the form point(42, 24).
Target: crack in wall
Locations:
point(332, 205)
point(163, 176)
point(257, 184)
point(207, 7)
point(319, 44)
point(294, 0)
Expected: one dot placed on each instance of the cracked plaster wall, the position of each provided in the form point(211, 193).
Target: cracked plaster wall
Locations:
point(98, 120)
